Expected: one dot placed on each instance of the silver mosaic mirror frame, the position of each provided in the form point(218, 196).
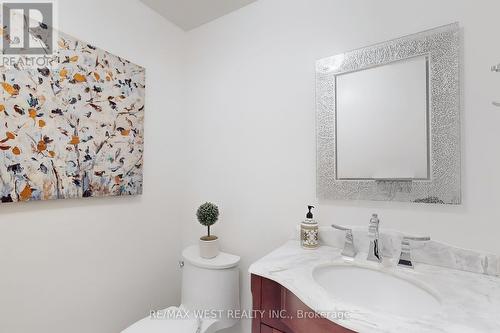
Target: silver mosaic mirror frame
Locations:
point(442, 46)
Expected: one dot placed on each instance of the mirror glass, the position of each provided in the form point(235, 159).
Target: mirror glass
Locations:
point(382, 121)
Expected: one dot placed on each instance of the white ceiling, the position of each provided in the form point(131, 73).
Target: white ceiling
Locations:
point(189, 14)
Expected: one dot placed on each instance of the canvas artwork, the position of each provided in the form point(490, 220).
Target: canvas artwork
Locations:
point(72, 129)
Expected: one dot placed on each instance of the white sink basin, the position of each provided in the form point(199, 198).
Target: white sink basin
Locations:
point(376, 290)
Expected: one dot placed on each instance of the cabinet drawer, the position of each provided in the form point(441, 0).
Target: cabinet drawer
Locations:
point(282, 310)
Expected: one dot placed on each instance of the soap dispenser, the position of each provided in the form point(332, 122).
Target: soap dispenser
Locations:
point(309, 231)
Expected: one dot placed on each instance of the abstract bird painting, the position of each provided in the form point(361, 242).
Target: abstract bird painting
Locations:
point(73, 128)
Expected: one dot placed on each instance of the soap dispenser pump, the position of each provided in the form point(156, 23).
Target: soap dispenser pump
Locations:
point(309, 231)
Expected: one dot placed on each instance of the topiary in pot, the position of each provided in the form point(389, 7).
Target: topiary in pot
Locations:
point(207, 215)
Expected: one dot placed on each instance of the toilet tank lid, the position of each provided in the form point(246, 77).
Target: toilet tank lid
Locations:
point(224, 260)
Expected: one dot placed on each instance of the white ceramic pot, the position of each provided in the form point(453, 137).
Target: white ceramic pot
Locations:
point(209, 248)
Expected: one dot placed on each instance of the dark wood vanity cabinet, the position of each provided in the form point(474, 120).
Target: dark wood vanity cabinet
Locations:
point(267, 329)
point(279, 311)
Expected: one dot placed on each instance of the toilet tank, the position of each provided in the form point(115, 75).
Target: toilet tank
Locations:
point(211, 284)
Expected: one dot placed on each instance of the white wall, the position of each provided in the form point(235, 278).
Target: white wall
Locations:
point(251, 133)
point(97, 265)
point(249, 145)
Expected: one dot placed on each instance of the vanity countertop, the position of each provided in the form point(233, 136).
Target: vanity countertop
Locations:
point(470, 302)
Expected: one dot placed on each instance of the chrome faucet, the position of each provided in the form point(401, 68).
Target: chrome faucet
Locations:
point(373, 234)
point(405, 257)
point(349, 250)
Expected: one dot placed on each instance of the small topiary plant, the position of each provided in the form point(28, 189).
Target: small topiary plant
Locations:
point(207, 215)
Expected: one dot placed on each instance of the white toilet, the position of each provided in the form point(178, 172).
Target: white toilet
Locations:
point(210, 297)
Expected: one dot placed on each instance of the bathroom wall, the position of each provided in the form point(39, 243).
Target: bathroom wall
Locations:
point(251, 121)
point(242, 134)
point(97, 265)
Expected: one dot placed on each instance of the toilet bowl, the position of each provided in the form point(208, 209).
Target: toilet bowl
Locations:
point(210, 297)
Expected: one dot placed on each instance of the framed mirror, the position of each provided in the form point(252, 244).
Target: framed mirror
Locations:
point(388, 124)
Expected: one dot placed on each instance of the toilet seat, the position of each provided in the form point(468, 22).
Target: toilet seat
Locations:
point(181, 325)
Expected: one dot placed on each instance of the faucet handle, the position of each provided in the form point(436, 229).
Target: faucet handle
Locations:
point(405, 257)
point(349, 249)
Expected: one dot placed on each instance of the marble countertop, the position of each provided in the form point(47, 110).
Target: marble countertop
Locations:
point(470, 302)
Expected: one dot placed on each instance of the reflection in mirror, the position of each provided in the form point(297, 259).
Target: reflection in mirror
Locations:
point(382, 121)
